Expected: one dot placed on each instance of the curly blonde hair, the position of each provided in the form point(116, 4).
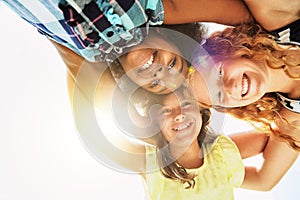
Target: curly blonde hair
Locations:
point(252, 42)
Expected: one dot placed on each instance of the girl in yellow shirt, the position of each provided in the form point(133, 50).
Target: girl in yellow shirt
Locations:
point(198, 165)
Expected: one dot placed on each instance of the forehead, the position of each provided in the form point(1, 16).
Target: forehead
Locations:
point(174, 98)
point(155, 41)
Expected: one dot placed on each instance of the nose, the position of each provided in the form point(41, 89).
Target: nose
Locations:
point(158, 71)
point(179, 118)
point(232, 89)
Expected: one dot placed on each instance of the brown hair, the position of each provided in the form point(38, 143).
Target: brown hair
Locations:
point(252, 42)
point(168, 167)
point(173, 170)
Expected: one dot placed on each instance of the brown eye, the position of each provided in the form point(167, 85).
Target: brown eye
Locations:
point(220, 73)
point(220, 97)
point(172, 64)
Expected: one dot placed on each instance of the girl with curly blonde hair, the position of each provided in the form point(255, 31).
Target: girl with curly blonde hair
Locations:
point(254, 78)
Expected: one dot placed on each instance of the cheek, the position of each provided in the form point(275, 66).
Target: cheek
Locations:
point(173, 81)
point(230, 66)
point(165, 127)
point(162, 122)
point(125, 63)
point(203, 89)
point(133, 76)
point(195, 116)
point(167, 134)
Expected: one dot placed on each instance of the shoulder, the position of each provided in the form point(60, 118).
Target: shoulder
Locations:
point(222, 150)
point(225, 143)
point(225, 152)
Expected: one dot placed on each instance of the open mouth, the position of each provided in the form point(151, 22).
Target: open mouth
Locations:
point(183, 127)
point(148, 63)
point(245, 85)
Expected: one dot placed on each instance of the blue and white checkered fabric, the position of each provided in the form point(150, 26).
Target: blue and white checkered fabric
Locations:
point(98, 30)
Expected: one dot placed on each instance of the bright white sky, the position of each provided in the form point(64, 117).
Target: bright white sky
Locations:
point(41, 156)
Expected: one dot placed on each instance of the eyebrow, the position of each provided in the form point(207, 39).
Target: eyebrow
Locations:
point(181, 68)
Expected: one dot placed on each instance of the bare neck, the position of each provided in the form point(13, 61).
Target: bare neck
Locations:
point(192, 157)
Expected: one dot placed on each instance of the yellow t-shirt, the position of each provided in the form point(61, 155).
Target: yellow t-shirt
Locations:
point(222, 171)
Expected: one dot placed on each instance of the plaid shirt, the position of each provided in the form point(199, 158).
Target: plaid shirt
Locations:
point(98, 30)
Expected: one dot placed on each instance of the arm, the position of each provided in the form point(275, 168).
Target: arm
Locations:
point(106, 92)
point(278, 158)
point(274, 14)
point(249, 143)
point(103, 98)
point(228, 12)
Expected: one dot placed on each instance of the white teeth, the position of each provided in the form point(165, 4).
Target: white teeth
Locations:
point(148, 63)
point(184, 126)
point(245, 85)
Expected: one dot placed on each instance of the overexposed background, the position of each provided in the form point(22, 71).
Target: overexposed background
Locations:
point(41, 156)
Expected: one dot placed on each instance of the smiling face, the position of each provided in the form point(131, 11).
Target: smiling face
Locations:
point(231, 82)
point(180, 120)
point(155, 65)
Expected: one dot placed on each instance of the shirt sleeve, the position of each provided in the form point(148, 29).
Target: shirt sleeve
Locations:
point(98, 30)
point(233, 161)
point(112, 25)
